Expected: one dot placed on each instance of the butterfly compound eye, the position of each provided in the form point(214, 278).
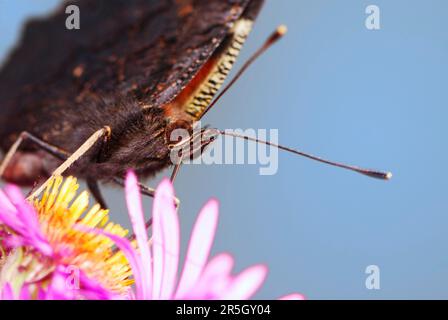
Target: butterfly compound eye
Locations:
point(178, 131)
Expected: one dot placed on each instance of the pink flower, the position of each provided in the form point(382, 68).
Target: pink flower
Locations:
point(43, 255)
point(155, 266)
point(44, 242)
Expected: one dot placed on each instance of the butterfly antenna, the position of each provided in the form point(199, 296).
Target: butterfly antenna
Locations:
point(368, 172)
point(273, 38)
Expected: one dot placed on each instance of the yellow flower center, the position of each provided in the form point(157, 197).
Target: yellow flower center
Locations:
point(59, 210)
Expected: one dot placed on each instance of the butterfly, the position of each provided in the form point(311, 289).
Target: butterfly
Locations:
point(106, 98)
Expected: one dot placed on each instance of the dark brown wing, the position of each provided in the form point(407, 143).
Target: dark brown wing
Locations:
point(147, 50)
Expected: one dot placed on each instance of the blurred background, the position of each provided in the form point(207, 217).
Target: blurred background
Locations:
point(375, 98)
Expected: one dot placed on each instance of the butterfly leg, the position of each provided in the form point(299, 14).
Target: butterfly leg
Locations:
point(54, 151)
point(145, 190)
point(92, 183)
point(86, 146)
point(94, 189)
point(26, 136)
point(175, 171)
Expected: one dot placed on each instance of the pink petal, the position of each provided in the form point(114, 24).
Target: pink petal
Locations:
point(13, 241)
point(92, 290)
point(134, 203)
point(214, 280)
point(41, 294)
point(219, 266)
point(246, 283)
point(293, 296)
point(16, 213)
point(199, 247)
point(8, 213)
point(5, 203)
point(25, 293)
point(169, 223)
point(6, 292)
point(10, 219)
point(61, 288)
point(160, 204)
point(57, 290)
point(25, 212)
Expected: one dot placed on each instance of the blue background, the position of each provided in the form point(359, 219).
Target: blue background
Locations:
point(334, 88)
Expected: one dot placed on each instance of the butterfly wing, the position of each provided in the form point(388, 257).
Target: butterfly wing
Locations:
point(147, 50)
